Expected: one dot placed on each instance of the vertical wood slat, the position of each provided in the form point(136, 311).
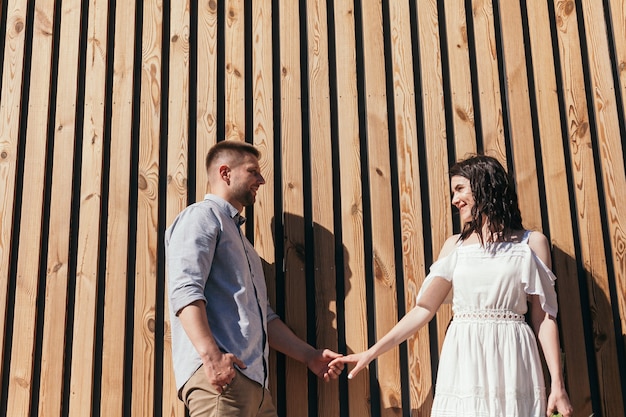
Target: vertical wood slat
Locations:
point(28, 266)
point(115, 281)
point(87, 270)
point(147, 211)
point(488, 79)
point(559, 218)
point(383, 260)
point(611, 158)
point(434, 123)
point(177, 166)
point(58, 259)
point(263, 128)
point(590, 229)
point(463, 121)
point(408, 166)
point(617, 15)
point(293, 204)
point(321, 195)
point(460, 78)
point(234, 75)
point(206, 113)
point(435, 142)
point(351, 200)
point(13, 64)
point(519, 115)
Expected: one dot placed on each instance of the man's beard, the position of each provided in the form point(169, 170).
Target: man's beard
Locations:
point(246, 197)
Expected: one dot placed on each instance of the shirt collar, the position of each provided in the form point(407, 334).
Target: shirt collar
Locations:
point(226, 207)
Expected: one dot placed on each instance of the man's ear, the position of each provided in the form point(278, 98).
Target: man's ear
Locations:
point(225, 173)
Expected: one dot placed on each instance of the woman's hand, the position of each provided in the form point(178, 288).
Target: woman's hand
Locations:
point(558, 401)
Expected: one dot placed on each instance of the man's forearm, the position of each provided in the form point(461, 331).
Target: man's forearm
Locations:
point(284, 340)
point(194, 320)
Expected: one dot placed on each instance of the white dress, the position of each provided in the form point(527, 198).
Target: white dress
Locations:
point(489, 364)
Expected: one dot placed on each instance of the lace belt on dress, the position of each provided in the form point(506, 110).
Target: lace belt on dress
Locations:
point(490, 315)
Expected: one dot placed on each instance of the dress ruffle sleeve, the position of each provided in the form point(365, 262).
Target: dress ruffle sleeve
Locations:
point(442, 268)
point(540, 281)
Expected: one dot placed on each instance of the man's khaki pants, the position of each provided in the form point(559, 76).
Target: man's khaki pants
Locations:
point(242, 398)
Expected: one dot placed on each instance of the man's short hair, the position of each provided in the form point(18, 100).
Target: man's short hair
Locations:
point(230, 146)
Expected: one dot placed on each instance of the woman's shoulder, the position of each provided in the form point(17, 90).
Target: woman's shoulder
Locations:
point(535, 237)
point(453, 239)
point(540, 246)
point(449, 245)
point(529, 237)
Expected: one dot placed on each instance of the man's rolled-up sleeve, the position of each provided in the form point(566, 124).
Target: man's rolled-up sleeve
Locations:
point(190, 246)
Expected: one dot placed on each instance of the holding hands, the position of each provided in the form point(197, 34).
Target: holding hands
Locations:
point(325, 364)
point(361, 360)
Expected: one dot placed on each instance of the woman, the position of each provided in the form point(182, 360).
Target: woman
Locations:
point(495, 271)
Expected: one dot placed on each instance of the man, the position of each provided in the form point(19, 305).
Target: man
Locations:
point(221, 321)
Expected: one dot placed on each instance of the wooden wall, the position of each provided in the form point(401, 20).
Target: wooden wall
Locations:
point(359, 107)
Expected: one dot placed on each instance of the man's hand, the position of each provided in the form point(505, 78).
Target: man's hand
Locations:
point(319, 364)
point(220, 371)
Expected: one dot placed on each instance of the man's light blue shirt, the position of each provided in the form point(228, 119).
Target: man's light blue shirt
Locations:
point(209, 259)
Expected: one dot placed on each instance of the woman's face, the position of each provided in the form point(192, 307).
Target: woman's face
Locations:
point(462, 197)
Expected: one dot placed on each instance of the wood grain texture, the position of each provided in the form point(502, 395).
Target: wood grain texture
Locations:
point(587, 200)
point(114, 386)
point(177, 169)
point(520, 118)
point(462, 104)
point(10, 99)
point(613, 176)
point(28, 265)
point(460, 79)
point(234, 74)
point(488, 79)
point(436, 142)
point(178, 108)
point(263, 139)
point(293, 201)
point(379, 173)
point(561, 233)
point(618, 18)
point(322, 195)
point(617, 13)
point(58, 259)
point(147, 211)
point(464, 139)
point(355, 301)
point(206, 90)
point(409, 170)
point(87, 272)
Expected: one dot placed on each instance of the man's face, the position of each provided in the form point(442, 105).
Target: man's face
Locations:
point(245, 180)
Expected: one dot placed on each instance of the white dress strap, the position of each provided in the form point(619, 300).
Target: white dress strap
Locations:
point(526, 236)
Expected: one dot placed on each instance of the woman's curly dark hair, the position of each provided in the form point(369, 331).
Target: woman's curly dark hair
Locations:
point(494, 197)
